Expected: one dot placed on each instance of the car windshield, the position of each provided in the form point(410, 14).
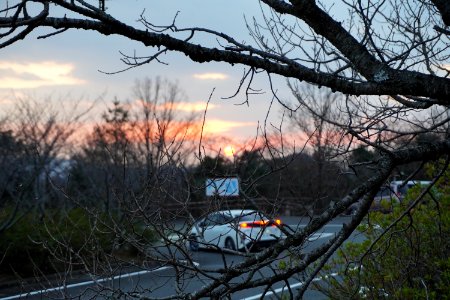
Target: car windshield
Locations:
point(215, 219)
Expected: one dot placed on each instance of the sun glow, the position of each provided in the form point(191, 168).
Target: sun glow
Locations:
point(229, 151)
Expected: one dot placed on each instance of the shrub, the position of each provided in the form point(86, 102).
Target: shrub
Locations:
point(19, 249)
point(59, 241)
point(411, 261)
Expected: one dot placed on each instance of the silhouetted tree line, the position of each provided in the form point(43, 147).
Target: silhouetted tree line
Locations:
point(110, 173)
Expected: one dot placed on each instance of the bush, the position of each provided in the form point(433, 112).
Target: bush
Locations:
point(63, 240)
point(19, 249)
point(411, 261)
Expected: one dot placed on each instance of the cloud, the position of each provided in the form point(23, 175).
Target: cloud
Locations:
point(211, 76)
point(178, 106)
point(191, 107)
point(36, 74)
point(446, 67)
point(196, 106)
point(6, 100)
point(222, 126)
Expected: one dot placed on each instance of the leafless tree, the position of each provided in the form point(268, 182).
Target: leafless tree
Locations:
point(35, 146)
point(312, 118)
point(397, 50)
point(163, 133)
point(135, 143)
point(11, 161)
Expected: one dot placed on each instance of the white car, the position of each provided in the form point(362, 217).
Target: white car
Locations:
point(235, 230)
point(400, 188)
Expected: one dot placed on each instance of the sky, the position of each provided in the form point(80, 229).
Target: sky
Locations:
point(71, 65)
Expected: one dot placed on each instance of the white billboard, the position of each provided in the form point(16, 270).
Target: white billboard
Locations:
point(225, 187)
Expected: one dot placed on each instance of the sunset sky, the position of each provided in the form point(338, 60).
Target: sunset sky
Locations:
point(68, 66)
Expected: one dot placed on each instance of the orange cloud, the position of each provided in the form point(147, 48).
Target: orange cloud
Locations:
point(6, 101)
point(37, 74)
point(186, 106)
point(185, 135)
point(192, 130)
point(221, 126)
point(176, 130)
point(211, 76)
point(178, 106)
point(193, 107)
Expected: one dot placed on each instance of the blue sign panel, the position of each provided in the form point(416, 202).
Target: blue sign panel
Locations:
point(225, 187)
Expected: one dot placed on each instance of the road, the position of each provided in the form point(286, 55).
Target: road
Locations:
point(166, 281)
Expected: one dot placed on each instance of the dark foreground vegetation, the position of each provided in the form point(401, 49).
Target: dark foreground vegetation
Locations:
point(400, 257)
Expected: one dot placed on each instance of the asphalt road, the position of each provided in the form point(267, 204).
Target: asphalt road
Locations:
point(166, 281)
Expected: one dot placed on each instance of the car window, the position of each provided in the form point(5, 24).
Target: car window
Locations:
point(223, 219)
point(228, 218)
point(210, 220)
point(216, 219)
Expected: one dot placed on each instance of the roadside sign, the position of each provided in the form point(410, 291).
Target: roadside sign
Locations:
point(225, 187)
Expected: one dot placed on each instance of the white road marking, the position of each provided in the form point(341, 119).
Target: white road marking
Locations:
point(276, 291)
point(303, 225)
point(292, 286)
point(317, 236)
point(86, 283)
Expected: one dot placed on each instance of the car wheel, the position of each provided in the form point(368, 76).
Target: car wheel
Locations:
point(193, 243)
point(229, 244)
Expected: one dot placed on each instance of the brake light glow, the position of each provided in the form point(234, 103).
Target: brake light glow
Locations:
point(260, 223)
point(243, 225)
